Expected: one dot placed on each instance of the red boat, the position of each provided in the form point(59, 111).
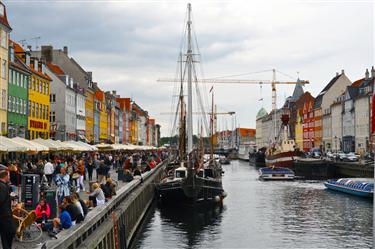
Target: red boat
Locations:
point(283, 152)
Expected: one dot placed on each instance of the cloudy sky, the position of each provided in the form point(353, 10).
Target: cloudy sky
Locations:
point(130, 44)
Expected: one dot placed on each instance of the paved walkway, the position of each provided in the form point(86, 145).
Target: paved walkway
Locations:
point(45, 237)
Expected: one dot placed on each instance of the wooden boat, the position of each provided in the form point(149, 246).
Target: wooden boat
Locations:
point(196, 180)
point(363, 187)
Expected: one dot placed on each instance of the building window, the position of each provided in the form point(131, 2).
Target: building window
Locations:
point(52, 98)
point(3, 69)
point(9, 103)
point(52, 117)
point(3, 38)
point(37, 110)
point(10, 76)
point(4, 99)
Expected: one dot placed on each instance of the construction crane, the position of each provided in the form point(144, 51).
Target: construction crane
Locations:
point(272, 82)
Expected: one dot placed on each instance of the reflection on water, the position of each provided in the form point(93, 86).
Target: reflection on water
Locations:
point(257, 214)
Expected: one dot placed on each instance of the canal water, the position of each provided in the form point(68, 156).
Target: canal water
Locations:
point(257, 214)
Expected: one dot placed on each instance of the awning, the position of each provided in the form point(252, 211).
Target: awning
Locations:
point(30, 145)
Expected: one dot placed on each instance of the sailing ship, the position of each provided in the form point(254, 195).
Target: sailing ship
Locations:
point(194, 180)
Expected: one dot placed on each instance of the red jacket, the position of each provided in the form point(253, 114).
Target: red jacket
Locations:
point(39, 212)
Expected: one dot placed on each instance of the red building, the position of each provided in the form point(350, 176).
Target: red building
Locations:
point(308, 123)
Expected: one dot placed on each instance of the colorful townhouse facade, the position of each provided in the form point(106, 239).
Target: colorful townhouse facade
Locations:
point(5, 30)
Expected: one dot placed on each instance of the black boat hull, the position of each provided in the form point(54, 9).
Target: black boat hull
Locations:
point(201, 190)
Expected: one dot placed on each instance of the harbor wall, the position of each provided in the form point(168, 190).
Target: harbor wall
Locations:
point(321, 170)
point(114, 224)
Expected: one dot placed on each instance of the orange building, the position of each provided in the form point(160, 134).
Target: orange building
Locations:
point(125, 108)
point(245, 136)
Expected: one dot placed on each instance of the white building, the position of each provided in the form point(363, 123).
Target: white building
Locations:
point(259, 128)
point(335, 88)
point(62, 104)
point(80, 113)
point(336, 117)
point(362, 109)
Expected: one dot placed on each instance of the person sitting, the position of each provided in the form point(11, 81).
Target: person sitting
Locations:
point(97, 197)
point(83, 204)
point(128, 176)
point(42, 211)
point(73, 210)
point(109, 188)
point(63, 222)
point(78, 204)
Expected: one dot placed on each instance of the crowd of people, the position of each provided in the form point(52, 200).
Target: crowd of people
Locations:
point(69, 176)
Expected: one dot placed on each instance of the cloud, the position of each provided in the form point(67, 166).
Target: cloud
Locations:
point(129, 45)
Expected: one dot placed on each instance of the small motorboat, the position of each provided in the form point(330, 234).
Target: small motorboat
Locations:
point(224, 160)
point(363, 187)
point(276, 173)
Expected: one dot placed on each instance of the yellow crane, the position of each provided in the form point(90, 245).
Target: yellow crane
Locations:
point(272, 82)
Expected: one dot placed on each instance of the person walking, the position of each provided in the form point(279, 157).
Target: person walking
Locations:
point(49, 169)
point(90, 168)
point(7, 227)
point(62, 182)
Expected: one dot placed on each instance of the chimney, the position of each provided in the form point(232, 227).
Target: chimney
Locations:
point(372, 72)
point(39, 66)
point(65, 50)
point(114, 93)
point(47, 53)
point(367, 74)
point(27, 58)
point(36, 62)
point(43, 68)
point(337, 74)
point(342, 72)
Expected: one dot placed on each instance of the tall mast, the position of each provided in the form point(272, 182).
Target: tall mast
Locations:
point(189, 60)
point(182, 134)
point(212, 127)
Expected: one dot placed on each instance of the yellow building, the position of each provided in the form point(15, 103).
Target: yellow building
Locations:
point(103, 123)
point(299, 129)
point(89, 108)
point(5, 29)
point(39, 101)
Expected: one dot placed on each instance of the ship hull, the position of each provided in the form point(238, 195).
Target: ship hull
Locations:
point(282, 159)
point(191, 191)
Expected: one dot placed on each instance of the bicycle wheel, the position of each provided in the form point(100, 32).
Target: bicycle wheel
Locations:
point(31, 233)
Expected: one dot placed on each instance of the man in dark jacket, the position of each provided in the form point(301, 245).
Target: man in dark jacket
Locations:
point(7, 227)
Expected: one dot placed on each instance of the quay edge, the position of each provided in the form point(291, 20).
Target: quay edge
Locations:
point(117, 221)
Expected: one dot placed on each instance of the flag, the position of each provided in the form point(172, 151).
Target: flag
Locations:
point(212, 87)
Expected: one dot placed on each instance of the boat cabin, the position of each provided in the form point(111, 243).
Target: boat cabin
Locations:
point(180, 173)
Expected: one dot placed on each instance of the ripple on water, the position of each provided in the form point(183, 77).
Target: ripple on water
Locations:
point(299, 214)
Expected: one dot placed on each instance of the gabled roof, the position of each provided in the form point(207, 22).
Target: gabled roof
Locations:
point(330, 84)
point(319, 98)
point(4, 19)
point(55, 69)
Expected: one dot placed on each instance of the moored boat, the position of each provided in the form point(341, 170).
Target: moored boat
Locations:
point(258, 158)
point(283, 153)
point(276, 173)
point(363, 187)
point(198, 179)
point(224, 160)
